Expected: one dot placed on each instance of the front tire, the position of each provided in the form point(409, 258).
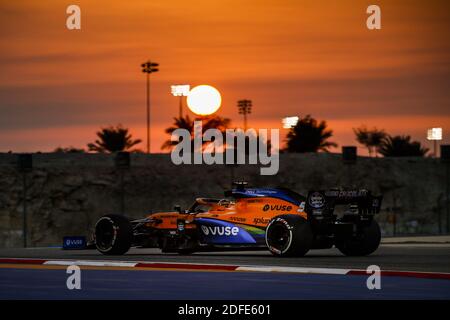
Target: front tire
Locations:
point(113, 234)
point(364, 243)
point(289, 236)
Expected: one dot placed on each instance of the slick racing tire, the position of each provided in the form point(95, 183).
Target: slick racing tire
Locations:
point(289, 236)
point(364, 243)
point(113, 234)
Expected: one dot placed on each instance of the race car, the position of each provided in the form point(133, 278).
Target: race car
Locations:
point(275, 219)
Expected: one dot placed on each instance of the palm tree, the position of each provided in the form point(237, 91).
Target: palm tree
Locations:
point(208, 122)
point(372, 139)
point(68, 150)
point(309, 136)
point(214, 122)
point(401, 146)
point(179, 123)
point(376, 140)
point(113, 139)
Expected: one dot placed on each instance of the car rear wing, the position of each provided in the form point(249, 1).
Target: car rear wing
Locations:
point(362, 202)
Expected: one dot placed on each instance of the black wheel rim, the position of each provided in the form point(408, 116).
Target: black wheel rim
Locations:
point(104, 234)
point(278, 236)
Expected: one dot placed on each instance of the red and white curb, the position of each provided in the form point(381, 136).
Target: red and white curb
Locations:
point(221, 267)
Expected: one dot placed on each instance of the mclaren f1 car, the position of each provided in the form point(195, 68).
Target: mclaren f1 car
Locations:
point(275, 219)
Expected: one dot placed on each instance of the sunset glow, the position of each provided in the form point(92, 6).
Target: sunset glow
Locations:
point(204, 100)
point(290, 57)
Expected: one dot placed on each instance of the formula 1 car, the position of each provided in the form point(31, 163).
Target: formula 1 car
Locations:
point(278, 219)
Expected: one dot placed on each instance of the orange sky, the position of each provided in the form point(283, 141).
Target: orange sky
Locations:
point(291, 57)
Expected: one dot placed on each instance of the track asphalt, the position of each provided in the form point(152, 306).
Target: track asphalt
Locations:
point(18, 283)
point(405, 257)
point(49, 282)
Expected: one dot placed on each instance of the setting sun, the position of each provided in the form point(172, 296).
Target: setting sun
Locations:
point(204, 100)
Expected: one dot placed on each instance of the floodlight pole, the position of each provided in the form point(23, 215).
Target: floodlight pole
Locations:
point(245, 121)
point(245, 107)
point(181, 106)
point(180, 90)
point(434, 134)
point(24, 196)
point(25, 164)
point(447, 191)
point(148, 112)
point(148, 68)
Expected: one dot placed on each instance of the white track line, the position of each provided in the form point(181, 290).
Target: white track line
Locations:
point(247, 268)
point(293, 270)
point(238, 268)
point(90, 263)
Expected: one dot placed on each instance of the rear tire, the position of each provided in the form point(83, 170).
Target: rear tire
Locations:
point(365, 243)
point(113, 234)
point(289, 236)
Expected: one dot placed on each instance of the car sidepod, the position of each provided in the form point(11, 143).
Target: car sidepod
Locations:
point(213, 231)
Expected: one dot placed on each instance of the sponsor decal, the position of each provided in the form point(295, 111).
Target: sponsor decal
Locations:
point(74, 242)
point(347, 193)
point(205, 230)
point(277, 207)
point(285, 223)
point(316, 200)
point(261, 221)
point(220, 231)
point(237, 219)
point(301, 207)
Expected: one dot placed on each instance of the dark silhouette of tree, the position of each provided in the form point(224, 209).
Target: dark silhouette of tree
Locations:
point(401, 146)
point(253, 139)
point(208, 122)
point(309, 136)
point(215, 122)
point(113, 139)
point(68, 150)
point(372, 139)
point(179, 123)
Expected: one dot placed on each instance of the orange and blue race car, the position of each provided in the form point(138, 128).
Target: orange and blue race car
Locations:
point(275, 219)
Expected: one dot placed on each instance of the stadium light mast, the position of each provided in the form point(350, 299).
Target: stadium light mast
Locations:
point(180, 90)
point(289, 122)
point(245, 107)
point(435, 135)
point(148, 68)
